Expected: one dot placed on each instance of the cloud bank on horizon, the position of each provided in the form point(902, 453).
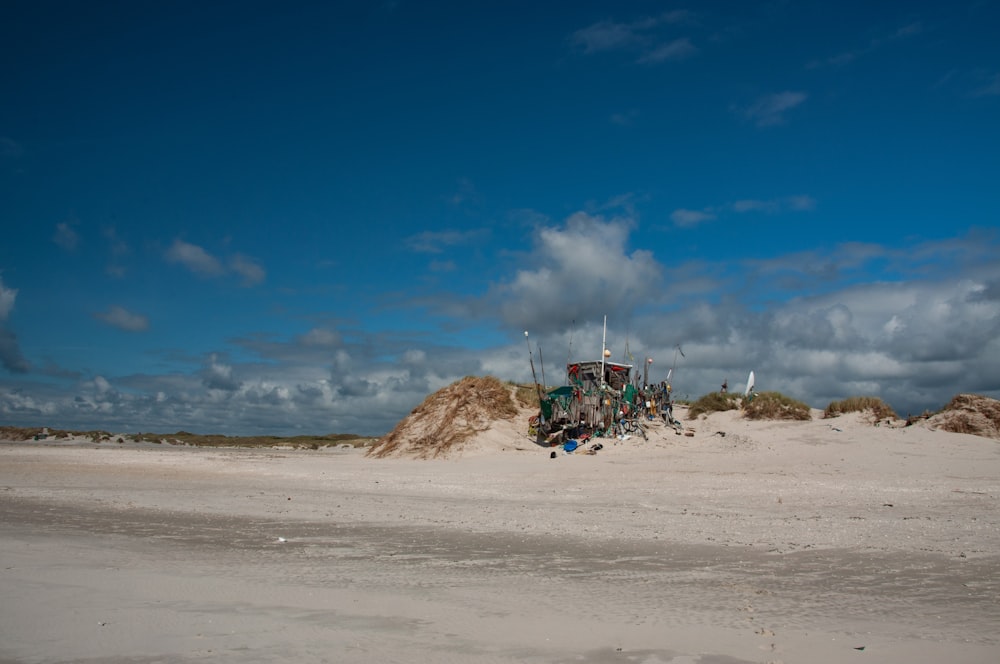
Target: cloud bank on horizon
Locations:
point(307, 219)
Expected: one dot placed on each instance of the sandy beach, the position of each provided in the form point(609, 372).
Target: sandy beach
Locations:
point(822, 541)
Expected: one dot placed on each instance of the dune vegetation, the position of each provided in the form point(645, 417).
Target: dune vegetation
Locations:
point(879, 409)
point(714, 402)
point(775, 406)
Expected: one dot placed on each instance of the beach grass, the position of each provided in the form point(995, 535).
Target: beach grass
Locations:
point(775, 406)
point(879, 409)
point(714, 402)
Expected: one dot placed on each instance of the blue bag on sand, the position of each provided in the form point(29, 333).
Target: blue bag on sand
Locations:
point(570, 445)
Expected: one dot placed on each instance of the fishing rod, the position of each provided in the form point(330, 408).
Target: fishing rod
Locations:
point(677, 349)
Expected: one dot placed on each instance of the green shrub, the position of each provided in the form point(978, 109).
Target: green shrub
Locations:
point(714, 402)
point(774, 406)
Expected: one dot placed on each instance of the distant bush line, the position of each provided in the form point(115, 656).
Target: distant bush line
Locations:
point(191, 439)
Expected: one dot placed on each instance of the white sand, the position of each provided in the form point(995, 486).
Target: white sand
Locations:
point(778, 542)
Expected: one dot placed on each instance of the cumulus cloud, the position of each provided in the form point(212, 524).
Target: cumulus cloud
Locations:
point(923, 328)
point(584, 265)
point(124, 319)
point(217, 375)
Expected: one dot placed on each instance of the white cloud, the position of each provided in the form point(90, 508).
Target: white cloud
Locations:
point(101, 384)
point(414, 356)
point(800, 203)
point(989, 89)
point(118, 249)
point(436, 242)
point(605, 36)
point(7, 298)
point(689, 218)
point(923, 328)
point(194, 258)
point(643, 35)
point(769, 110)
point(893, 326)
point(755, 206)
point(124, 319)
point(247, 268)
point(66, 237)
point(321, 337)
point(685, 218)
point(217, 375)
point(624, 119)
point(10, 149)
point(848, 57)
point(11, 357)
point(585, 267)
point(465, 194)
point(677, 49)
point(442, 266)
point(790, 203)
point(202, 263)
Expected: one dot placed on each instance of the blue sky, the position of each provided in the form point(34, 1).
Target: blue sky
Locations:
point(281, 218)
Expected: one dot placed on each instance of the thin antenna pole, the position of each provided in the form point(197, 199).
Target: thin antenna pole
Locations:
point(604, 348)
point(541, 364)
point(569, 352)
point(534, 376)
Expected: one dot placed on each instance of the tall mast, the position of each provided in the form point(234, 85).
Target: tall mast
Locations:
point(604, 348)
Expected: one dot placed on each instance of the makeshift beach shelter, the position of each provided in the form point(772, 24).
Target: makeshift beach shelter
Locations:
point(599, 395)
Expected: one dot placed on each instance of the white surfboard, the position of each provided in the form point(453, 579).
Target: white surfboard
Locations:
point(749, 389)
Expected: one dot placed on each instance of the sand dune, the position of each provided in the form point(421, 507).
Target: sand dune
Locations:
point(820, 541)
